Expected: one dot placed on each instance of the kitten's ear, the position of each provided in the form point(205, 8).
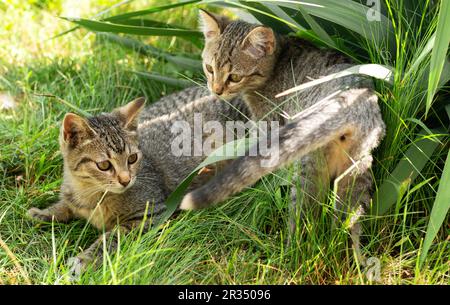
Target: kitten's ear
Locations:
point(75, 129)
point(128, 114)
point(211, 24)
point(259, 42)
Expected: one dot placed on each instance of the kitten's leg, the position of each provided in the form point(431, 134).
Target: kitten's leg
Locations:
point(60, 211)
point(299, 202)
point(353, 199)
point(310, 187)
point(94, 254)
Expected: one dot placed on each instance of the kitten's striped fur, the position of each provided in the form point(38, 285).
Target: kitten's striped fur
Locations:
point(115, 137)
point(343, 128)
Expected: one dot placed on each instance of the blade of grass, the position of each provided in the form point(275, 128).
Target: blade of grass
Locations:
point(347, 13)
point(164, 79)
point(149, 23)
point(100, 26)
point(227, 151)
point(439, 52)
point(277, 11)
point(317, 28)
point(279, 17)
point(317, 35)
point(68, 104)
point(422, 56)
point(416, 157)
point(96, 15)
point(378, 71)
point(149, 11)
point(145, 49)
point(441, 206)
point(439, 211)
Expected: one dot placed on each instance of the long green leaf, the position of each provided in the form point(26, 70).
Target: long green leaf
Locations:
point(149, 11)
point(439, 52)
point(149, 23)
point(181, 83)
point(347, 13)
point(317, 35)
point(96, 15)
point(317, 28)
point(275, 10)
point(441, 206)
point(126, 16)
point(439, 211)
point(406, 171)
point(280, 17)
point(100, 26)
point(226, 152)
point(422, 56)
point(378, 71)
point(138, 46)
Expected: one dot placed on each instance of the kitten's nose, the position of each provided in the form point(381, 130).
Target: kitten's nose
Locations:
point(124, 179)
point(218, 89)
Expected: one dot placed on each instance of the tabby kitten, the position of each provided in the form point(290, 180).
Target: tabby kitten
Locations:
point(338, 121)
point(115, 163)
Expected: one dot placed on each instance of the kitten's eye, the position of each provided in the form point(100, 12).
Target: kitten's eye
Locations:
point(132, 158)
point(104, 165)
point(235, 78)
point(209, 68)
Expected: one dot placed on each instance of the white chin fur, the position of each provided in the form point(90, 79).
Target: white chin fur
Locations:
point(117, 190)
point(226, 97)
point(120, 189)
point(187, 203)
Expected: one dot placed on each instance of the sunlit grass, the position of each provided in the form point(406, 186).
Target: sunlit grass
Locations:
point(240, 242)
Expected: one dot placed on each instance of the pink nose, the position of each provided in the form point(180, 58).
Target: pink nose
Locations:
point(124, 179)
point(218, 89)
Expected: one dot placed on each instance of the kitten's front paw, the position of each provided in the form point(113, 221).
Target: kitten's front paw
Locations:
point(76, 266)
point(39, 215)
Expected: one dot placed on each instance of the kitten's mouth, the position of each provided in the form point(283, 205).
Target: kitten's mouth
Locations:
point(120, 189)
point(226, 97)
point(117, 190)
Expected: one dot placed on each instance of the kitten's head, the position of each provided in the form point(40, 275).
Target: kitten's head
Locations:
point(238, 56)
point(102, 152)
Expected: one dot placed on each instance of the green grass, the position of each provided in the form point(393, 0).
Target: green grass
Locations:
point(239, 242)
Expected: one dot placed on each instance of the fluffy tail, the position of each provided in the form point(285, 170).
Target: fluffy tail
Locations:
point(313, 128)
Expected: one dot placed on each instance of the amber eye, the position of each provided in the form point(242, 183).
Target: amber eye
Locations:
point(132, 158)
point(104, 165)
point(235, 78)
point(209, 68)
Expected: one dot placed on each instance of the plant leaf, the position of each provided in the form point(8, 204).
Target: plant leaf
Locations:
point(347, 13)
point(323, 36)
point(378, 71)
point(439, 211)
point(230, 150)
point(182, 83)
point(101, 26)
point(138, 46)
point(149, 23)
point(440, 208)
point(149, 11)
point(96, 15)
point(416, 157)
point(439, 52)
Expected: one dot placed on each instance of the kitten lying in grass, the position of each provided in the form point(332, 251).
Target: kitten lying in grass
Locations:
point(116, 163)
